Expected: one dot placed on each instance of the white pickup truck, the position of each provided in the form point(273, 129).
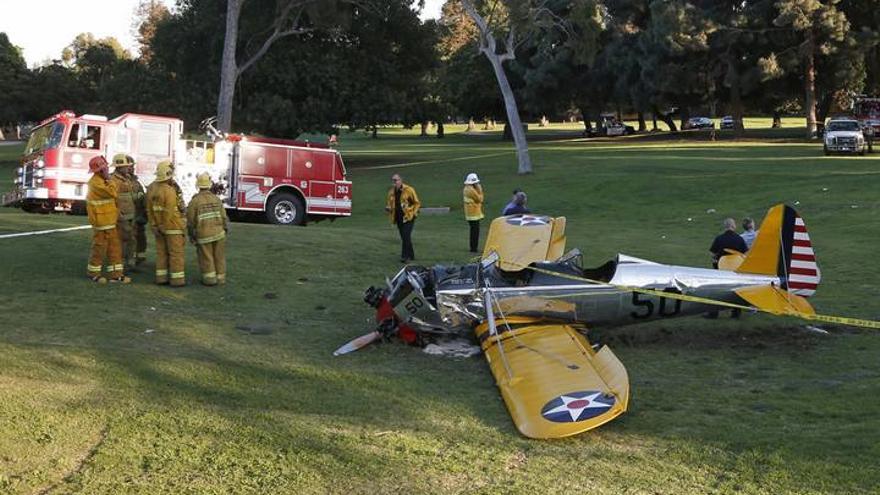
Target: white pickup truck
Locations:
point(844, 136)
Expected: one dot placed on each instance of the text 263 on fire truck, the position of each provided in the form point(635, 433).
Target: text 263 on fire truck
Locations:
point(289, 181)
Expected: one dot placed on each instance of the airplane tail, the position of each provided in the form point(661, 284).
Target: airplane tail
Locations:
point(783, 248)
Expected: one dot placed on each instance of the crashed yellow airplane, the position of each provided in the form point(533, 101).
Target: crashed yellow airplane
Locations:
point(529, 304)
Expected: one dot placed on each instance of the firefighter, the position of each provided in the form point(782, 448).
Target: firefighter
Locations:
point(103, 215)
point(125, 203)
point(168, 224)
point(208, 224)
point(140, 216)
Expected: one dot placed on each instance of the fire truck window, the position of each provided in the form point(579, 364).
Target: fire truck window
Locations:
point(154, 139)
point(73, 139)
point(93, 138)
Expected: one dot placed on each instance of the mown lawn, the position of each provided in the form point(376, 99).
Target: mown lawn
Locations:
point(144, 389)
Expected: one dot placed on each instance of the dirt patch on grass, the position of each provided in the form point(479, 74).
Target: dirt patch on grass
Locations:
point(728, 335)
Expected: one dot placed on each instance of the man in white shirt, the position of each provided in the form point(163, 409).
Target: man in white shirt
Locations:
point(749, 232)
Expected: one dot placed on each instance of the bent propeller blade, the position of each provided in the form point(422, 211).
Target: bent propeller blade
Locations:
point(357, 343)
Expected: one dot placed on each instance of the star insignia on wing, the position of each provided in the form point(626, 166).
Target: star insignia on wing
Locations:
point(577, 406)
point(528, 220)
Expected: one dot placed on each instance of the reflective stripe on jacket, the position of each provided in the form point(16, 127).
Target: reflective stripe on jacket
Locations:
point(163, 210)
point(409, 203)
point(206, 218)
point(101, 203)
point(473, 202)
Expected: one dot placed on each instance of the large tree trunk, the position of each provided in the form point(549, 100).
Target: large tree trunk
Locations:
point(810, 84)
point(684, 112)
point(488, 48)
point(229, 67)
point(667, 119)
point(823, 107)
point(440, 130)
point(736, 103)
point(513, 120)
point(642, 125)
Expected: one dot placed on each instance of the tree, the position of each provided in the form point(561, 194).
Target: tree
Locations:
point(817, 26)
point(148, 16)
point(14, 83)
point(488, 46)
point(280, 18)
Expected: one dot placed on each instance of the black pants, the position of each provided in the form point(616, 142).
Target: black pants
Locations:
point(475, 234)
point(406, 250)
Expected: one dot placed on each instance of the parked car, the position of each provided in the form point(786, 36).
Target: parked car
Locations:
point(699, 123)
point(844, 135)
point(613, 127)
point(727, 122)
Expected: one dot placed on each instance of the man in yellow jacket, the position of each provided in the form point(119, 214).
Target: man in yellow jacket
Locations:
point(208, 224)
point(125, 203)
point(103, 215)
point(402, 204)
point(168, 223)
point(473, 207)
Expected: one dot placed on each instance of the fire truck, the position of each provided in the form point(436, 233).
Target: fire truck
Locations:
point(290, 182)
point(867, 112)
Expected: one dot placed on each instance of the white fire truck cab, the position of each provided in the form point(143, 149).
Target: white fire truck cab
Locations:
point(290, 181)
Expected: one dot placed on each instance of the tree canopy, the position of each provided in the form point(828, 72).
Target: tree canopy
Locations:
point(367, 63)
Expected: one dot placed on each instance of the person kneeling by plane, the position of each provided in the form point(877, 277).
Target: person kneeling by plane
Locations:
point(207, 224)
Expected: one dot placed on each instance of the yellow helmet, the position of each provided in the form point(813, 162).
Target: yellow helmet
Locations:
point(203, 181)
point(164, 170)
point(122, 160)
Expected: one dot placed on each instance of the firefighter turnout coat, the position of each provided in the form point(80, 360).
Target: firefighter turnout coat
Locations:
point(473, 202)
point(409, 203)
point(207, 223)
point(103, 215)
point(165, 215)
point(126, 202)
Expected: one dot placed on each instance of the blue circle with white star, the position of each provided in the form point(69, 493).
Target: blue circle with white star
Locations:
point(528, 220)
point(577, 406)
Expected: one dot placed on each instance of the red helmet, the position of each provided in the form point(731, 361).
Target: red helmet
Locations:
point(97, 163)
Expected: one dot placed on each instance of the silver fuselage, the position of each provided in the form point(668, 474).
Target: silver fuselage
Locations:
point(459, 308)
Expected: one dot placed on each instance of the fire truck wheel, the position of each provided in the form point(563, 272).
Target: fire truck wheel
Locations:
point(286, 209)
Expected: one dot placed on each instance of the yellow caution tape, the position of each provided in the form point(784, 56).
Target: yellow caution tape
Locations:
point(855, 322)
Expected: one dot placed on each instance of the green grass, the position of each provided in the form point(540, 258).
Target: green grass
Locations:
point(93, 402)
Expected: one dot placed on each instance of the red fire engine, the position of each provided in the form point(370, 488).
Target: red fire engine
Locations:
point(289, 181)
point(867, 112)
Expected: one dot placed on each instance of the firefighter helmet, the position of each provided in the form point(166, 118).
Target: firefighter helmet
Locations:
point(471, 178)
point(163, 170)
point(203, 181)
point(122, 160)
point(97, 163)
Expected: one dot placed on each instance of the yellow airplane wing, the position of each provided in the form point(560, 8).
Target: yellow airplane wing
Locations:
point(775, 300)
point(523, 239)
point(553, 383)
